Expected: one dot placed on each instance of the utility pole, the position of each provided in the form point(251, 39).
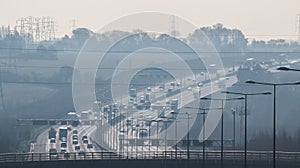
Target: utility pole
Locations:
point(173, 31)
point(234, 116)
point(298, 28)
point(74, 24)
point(2, 104)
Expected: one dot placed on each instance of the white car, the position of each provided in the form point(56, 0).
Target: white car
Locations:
point(200, 84)
point(52, 140)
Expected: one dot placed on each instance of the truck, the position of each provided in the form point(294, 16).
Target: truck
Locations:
point(172, 92)
point(222, 82)
point(174, 104)
point(148, 96)
point(52, 133)
point(132, 92)
point(72, 116)
point(63, 132)
point(85, 115)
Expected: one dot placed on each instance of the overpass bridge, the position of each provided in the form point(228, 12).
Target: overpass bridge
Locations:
point(211, 159)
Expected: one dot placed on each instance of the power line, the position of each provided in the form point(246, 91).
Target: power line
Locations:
point(114, 68)
point(130, 51)
point(96, 84)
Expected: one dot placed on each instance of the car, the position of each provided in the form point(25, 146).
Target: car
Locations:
point(162, 87)
point(75, 142)
point(53, 154)
point(85, 141)
point(200, 84)
point(81, 153)
point(75, 132)
point(64, 139)
point(63, 145)
point(84, 137)
point(69, 128)
point(52, 140)
point(77, 147)
point(66, 155)
point(89, 146)
point(143, 133)
point(128, 122)
point(189, 88)
point(52, 151)
point(133, 127)
point(63, 150)
point(75, 137)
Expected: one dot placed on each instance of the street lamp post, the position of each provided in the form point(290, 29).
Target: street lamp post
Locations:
point(157, 127)
point(176, 139)
point(142, 132)
point(174, 113)
point(222, 122)
point(274, 85)
point(203, 127)
point(234, 114)
point(135, 139)
point(188, 135)
point(245, 101)
point(203, 137)
point(127, 137)
point(165, 139)
point(149, 140)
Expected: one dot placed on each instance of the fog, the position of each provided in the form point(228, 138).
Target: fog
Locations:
point(36, 80)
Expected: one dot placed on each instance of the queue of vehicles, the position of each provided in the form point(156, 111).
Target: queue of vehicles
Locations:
point(62, 139)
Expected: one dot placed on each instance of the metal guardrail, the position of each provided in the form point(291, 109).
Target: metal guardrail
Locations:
point(215, 155)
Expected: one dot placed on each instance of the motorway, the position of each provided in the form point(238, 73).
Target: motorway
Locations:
point(110, 137)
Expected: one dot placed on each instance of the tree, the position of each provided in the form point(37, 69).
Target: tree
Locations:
point(224, 39)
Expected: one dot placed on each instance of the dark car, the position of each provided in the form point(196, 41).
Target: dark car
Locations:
point(89, 146)
point(63, 145)
point(84, 137)
point(75, 142)
point(75, 137)
point(77, 147)
point(75, 132)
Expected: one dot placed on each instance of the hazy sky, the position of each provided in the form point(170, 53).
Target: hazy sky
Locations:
point(256, 18)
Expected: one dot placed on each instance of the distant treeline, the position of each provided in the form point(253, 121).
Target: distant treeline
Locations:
point(224, 39)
